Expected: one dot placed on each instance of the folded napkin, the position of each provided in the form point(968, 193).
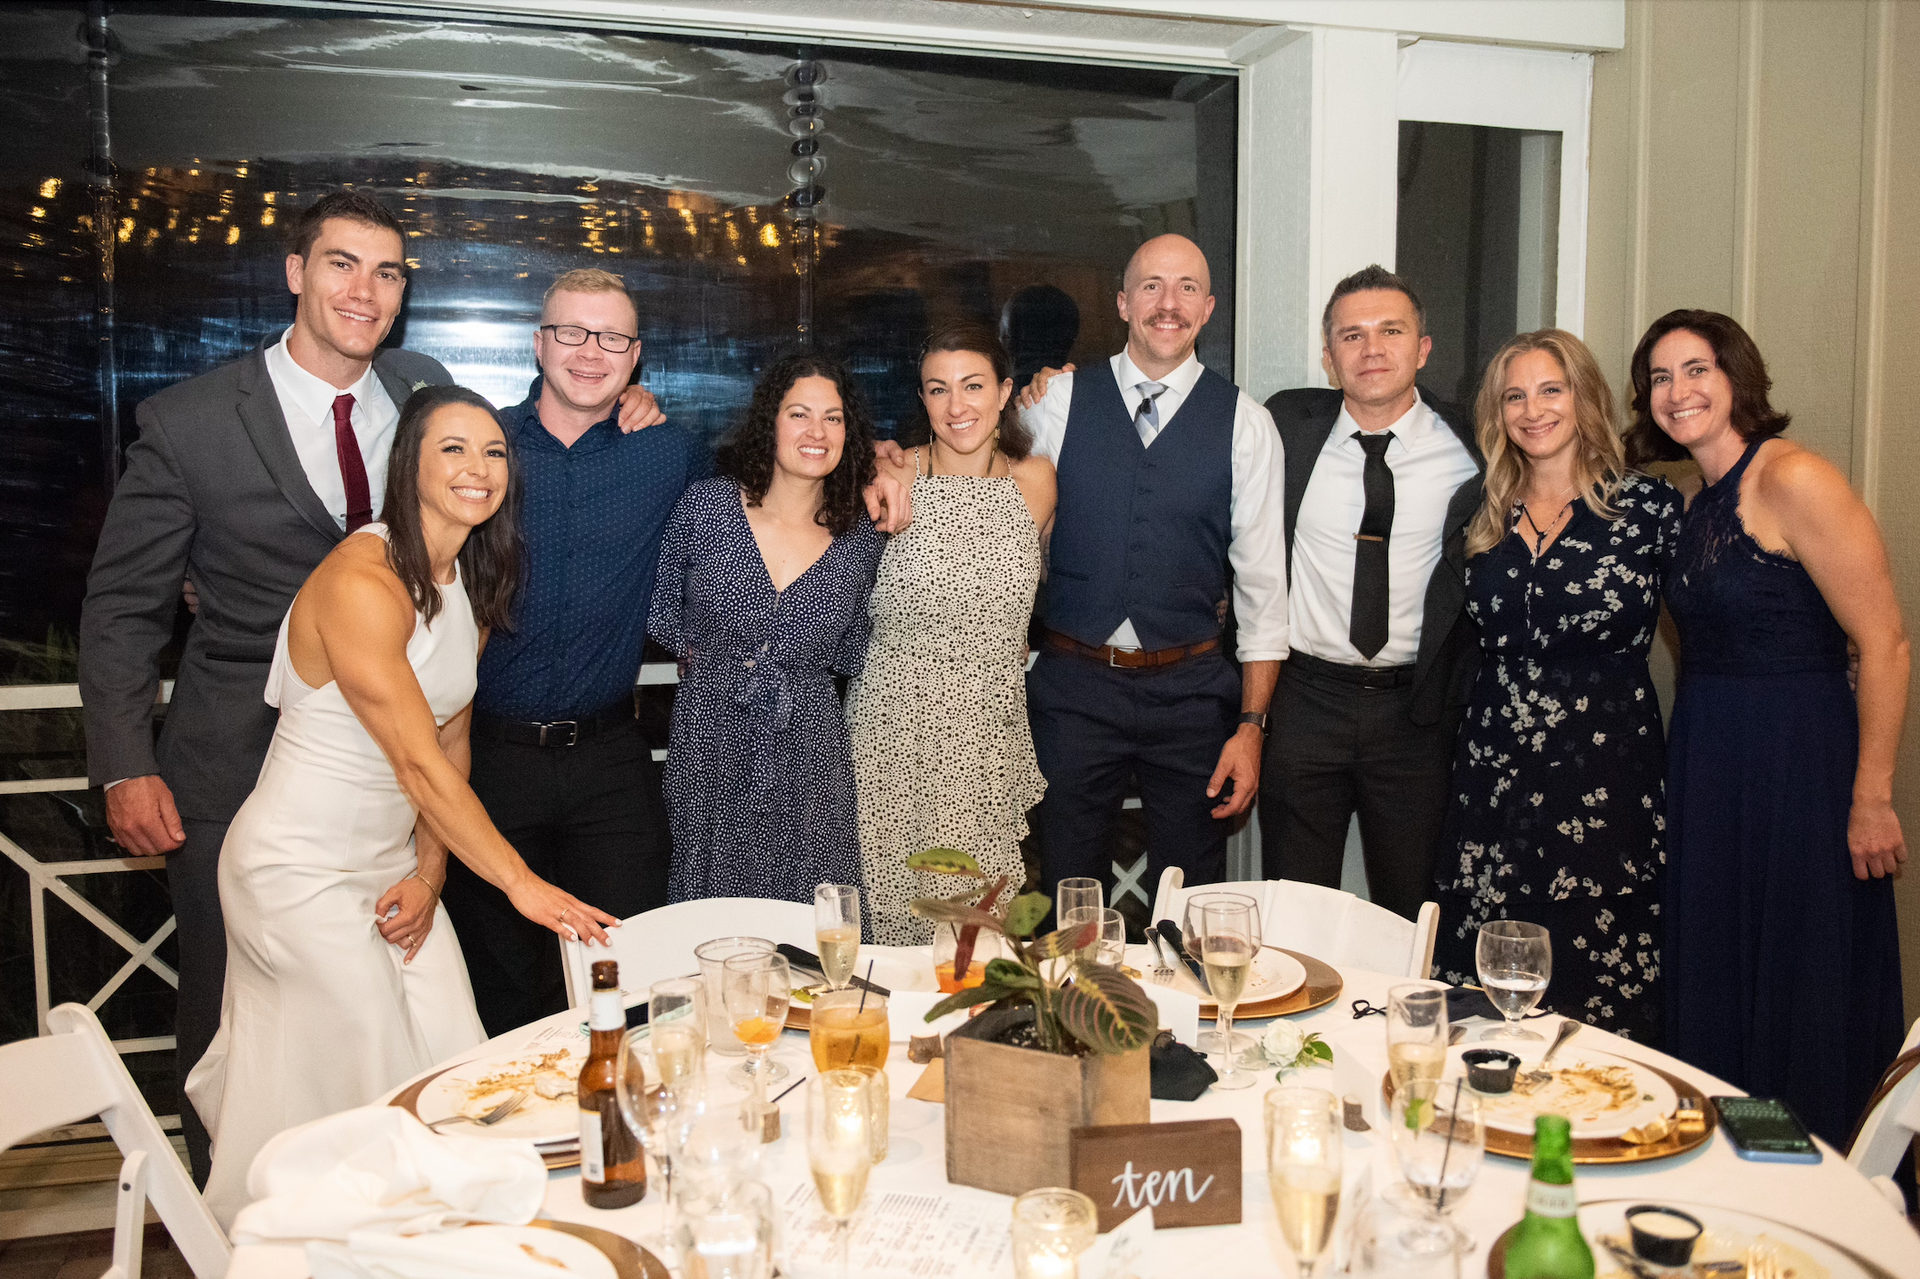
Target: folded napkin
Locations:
point(907, 1015)
point(378, 1168)
point(1463, 1002)
point(1179, 1011)
point(457, 1254)
point(1178, 1073)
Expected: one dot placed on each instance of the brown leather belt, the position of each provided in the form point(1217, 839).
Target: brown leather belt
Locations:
point(1129, 658)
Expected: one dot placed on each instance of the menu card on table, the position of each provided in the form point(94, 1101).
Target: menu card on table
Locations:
point(897, 1234)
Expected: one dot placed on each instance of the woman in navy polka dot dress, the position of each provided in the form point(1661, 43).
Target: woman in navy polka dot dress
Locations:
point(764, 577)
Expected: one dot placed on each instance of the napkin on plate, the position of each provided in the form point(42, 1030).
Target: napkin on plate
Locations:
point(379, 1168)
point(457, 1254)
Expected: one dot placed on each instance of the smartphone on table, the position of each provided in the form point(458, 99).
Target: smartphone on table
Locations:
point(1766, 1129)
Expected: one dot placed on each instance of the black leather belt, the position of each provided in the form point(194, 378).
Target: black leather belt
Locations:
point(558, 732)
point(1374, 677)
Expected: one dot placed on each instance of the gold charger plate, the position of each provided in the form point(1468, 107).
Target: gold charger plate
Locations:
point(1604, 1264)
point(1604, 1150)
point(408, 1100)
point(1322, 986)
point(630, 1260)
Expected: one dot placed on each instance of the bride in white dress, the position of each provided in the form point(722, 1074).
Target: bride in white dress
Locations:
point(344, 977)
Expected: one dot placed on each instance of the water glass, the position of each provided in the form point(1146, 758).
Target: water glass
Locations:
point(713, 956)
point(1416, 1033)
point(677, 1026)
point(757, 988)
point(1110, 943)
point(1515, 962)
point(836, 931)
point(1052, 1226)
point(1440, 1139)
point(1078, 891)
point(1391, 1240)
point(1209, 1041)
point(1227, 945)
point(1304, 1145)
point(726, 1232)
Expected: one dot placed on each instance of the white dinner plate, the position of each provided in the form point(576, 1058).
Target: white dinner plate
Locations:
point(1276, 975)
point(1729, 1235)
point(549, 1117)
point(1591, 1110)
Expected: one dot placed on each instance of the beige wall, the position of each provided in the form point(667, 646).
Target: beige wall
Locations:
point(1762, 158)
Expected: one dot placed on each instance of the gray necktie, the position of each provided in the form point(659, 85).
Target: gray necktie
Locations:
point(1146, 418)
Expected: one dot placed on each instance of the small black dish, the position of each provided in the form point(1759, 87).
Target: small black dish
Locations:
point(1663, 1236)
point(1490, 1070)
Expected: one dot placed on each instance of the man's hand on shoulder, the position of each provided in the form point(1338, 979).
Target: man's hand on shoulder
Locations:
point(638, 410)
point(1036, 390)
point(142, 817)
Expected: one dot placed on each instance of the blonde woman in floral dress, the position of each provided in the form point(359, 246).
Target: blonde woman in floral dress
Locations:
point(942, 755)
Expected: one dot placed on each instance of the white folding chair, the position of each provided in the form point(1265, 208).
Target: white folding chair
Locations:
point(658, 944)
point(73, 1074)
point(1326, 923)
point(1892, 1119)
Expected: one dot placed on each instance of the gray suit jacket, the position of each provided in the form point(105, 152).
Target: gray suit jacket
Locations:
point(213, 491)
point(1449, 642)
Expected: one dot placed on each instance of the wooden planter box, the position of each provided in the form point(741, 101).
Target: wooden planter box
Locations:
point(1010, 1110)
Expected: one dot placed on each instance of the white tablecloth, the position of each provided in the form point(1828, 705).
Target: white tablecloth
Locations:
point(1828, 1198)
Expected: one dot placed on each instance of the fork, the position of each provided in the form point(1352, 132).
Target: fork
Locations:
point(1163, 973)
point(1540, 1075)
point(1763, 1261)
point(492, 1117)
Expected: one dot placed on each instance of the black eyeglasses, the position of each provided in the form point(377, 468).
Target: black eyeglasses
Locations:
point(574, 335)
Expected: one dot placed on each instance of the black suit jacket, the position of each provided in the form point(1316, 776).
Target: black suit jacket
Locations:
point(213, 491)
point(1449, 642)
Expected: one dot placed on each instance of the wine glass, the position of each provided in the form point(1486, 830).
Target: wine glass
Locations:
point(757, 988)
point(657, 1113)
point(1110, 939)
point(840, 1146)
point(1440, 1138)
point(1052, 1226)
point(719, 1142)
point(1416, 1033)
point(1304, 1143)
point(726, 1232)
point(836, 931)
point(1227, 944)
point(1515, 961)
point(677, 1026)
point(1389, 1242)
point(1209, 1041)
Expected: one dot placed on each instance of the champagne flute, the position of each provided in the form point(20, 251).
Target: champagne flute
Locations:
point(1440, 1138)
point(840, 1146)
point(1227, 945)
point(836, 931)
point(757, 989)
point(1515, 961)
point(1304, 1145)
point(1209, 1041)
point(1416, 1033)
point(677, 1026)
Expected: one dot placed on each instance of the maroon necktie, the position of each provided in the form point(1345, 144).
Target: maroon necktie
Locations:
point(353, 471)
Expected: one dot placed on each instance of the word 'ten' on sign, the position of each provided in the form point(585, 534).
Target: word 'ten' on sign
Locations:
point(1188, 1173)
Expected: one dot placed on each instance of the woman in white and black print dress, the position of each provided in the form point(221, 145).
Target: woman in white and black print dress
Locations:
point(1559, 812)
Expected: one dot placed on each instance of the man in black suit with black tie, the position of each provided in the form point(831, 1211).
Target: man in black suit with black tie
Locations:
point(1380, 485)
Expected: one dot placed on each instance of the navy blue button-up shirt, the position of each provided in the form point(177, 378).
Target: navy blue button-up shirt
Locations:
point(592, 517)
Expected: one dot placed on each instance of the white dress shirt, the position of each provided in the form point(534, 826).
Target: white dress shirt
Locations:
point(1429, 463)
point(307, 403)
point(1256, 522)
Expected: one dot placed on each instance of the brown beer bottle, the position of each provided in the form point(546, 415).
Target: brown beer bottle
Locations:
point(613, 1169)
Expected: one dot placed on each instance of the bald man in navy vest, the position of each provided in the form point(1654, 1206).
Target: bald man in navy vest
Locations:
point(1172, 489)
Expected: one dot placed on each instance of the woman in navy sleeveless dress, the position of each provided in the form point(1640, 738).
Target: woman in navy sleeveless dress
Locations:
point(1782, 956)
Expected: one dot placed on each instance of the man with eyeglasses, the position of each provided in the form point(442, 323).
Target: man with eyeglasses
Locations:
point(558, 758)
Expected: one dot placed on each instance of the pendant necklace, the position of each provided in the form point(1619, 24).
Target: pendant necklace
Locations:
point(1540, 535)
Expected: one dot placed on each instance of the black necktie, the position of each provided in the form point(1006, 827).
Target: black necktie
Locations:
point(1368, 629)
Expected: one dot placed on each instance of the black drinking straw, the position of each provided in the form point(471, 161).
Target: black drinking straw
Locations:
point(1446, 1151)
point(864, 987)
point(789, 1088)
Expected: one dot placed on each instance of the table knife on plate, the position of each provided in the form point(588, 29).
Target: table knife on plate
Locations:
point(808, 962)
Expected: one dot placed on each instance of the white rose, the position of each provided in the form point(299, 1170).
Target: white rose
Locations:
point(1282, 1042)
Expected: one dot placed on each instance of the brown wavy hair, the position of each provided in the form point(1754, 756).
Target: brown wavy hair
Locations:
point(491, 559)
point(746, 456)
point(1600, 464)
point(1015, 440)
point(1754, 416)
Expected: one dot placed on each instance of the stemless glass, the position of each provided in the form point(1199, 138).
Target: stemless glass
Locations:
point(1110, 943)
point(1440, 1138)
point(1209, 1041)
point(677, 1026)
point(1416, 1033)
point(726, 1232)
point(757, 988)
point(1227, 945)
point(1052, 1226)
point(1304, 1143)
point(1069, 894)
point(713, 956)
point(1515, 961)
point(836, 931)
point(848, 1028)
point(840, 1146)
point(946, 941)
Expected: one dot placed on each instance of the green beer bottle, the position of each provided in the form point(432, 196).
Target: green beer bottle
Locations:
point(1547, 1243)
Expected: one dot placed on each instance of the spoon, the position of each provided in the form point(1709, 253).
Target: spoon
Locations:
point(1540, 1075)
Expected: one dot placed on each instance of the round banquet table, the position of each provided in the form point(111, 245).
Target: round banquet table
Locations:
point(1828, 1199)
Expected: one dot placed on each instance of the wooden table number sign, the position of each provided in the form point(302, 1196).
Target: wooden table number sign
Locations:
point(1188, 1173)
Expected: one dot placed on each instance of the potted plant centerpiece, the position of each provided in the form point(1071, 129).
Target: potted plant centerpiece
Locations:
point(1061, 1044)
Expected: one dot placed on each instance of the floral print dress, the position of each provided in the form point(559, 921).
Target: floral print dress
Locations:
point(1558, 815)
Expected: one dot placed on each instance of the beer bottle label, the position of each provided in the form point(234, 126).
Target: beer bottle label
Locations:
point(593, 1155)
point(604, 1011)
point(1546, 1200)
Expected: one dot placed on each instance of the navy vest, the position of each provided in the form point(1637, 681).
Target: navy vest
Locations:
point(1142, 532)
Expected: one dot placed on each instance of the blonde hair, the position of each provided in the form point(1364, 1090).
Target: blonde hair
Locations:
point(587, 279)
point(1600, 459)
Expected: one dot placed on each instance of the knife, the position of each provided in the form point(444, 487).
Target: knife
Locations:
point(1171, 931)
point(806, 959)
